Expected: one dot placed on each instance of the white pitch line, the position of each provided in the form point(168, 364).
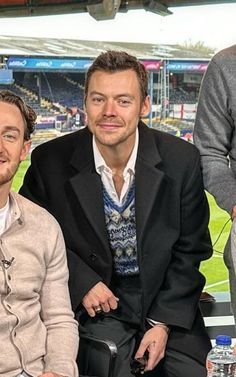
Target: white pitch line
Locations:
point(215, 284)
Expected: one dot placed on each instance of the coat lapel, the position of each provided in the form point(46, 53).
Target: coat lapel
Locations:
point(87, 186)
point(148, 177)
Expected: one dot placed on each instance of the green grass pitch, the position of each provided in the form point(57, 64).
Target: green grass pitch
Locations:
point(214, 268)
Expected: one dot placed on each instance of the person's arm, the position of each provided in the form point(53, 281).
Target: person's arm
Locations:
point(213, 133)
point(56, 313)
point(177, 302)
point(154, 343)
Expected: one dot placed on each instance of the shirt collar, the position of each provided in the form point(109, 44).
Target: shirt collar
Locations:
point(100, 163)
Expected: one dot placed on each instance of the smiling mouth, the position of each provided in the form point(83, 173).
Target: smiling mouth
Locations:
point(109, 125)
point(3, 160)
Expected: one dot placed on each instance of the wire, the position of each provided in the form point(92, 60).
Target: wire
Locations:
point(219, 235)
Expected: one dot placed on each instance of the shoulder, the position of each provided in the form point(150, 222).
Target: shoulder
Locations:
point(226, 53)
point(35, 215)
point(225, 57)
point(172, 154)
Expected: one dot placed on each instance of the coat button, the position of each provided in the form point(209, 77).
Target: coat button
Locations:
point(93, 256)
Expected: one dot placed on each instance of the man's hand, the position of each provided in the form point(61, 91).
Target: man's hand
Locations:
point(233, 214)
point(154, 341)
point(99, 296)
point(50, 374)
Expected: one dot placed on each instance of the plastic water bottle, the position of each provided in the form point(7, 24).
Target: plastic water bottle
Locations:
point(221, 361)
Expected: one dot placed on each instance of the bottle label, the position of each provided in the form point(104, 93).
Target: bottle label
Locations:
point(221, 368)
point(209, 366)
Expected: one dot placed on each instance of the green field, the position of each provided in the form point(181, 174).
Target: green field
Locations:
point(214, 268)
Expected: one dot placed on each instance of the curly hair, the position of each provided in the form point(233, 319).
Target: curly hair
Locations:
point(115, 61)
point(28, 114)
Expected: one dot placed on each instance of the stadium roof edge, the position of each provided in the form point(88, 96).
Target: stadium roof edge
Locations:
point(53, 47)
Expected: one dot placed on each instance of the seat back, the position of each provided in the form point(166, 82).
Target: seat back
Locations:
point(104, 367)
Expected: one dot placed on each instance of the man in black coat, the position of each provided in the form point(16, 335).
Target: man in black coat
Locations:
point(131, 204)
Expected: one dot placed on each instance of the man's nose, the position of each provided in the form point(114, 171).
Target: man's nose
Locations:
point(109, 108)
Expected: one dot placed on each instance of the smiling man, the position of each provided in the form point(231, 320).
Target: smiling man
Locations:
point(35, 307)
point(132, 207)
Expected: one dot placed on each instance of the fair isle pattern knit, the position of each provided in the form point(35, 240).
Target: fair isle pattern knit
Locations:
point(121, 228)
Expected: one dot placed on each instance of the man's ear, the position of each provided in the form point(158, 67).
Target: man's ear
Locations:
point(145, 107)
point(25, 149)
point(85, 115)
point(84, 104)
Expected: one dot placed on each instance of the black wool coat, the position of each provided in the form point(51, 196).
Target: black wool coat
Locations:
point(171, 221)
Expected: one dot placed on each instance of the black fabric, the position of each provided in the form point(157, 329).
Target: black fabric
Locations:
point(123, 326)
point(171, 221)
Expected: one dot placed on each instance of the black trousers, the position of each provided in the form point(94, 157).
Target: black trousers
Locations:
point(123, 326)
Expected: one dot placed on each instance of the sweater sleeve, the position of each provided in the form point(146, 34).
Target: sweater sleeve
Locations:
point(213, 132)
point(56, 313)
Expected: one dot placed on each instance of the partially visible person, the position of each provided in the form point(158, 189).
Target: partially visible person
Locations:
point(38, 334)
point(215, 137)
point(132, 207)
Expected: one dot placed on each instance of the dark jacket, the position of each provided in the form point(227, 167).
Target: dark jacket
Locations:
point(171, 219)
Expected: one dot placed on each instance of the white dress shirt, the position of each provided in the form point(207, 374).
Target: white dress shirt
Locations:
point(4, 212)
point(106, 173)
point(128, 176)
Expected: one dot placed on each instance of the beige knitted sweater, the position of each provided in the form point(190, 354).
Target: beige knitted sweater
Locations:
point(37, 330)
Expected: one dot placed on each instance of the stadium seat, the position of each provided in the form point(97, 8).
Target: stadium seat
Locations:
point(94, 368)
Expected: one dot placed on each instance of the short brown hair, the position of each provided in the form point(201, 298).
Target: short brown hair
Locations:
point(28, 114)
point(113, 61)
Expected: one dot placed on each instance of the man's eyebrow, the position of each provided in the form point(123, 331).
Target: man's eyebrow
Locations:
point(128, 95)
point(95, 92)
point(11, 128)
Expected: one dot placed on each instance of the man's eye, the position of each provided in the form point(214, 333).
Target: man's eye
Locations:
point(9, 137)
point(97, 99)
point(124, 102)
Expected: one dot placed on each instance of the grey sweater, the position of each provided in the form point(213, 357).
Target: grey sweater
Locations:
point(215, 128)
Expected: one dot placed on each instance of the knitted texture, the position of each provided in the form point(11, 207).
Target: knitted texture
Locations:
point(121, 229)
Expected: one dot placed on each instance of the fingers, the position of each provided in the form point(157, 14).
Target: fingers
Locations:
point(105, 306)
point(99, 298)
point(155, 354)
point(91, 310)
point(97, 309)
point(154, 344)
point(112, 302)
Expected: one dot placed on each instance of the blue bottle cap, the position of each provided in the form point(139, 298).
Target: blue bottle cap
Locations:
point(223, 340)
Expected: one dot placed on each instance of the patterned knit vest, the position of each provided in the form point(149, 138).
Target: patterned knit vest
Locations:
point(121, 229)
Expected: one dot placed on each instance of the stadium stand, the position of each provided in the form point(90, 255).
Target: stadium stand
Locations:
point(41, 136)
point(178, 96)
point(31, 98)
point(55, 87)
point(60, 89)
point(57, 91)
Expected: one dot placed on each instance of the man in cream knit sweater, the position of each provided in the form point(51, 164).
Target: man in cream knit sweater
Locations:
point(38, 334)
